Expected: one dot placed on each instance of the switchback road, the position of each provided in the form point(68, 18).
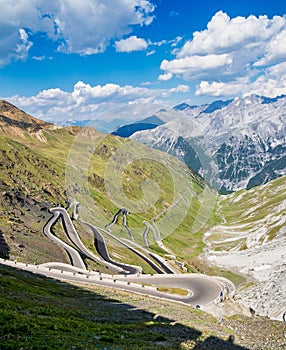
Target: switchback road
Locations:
point(202, 289)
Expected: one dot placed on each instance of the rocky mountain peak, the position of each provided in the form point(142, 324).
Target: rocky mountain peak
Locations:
point(12, 112)
point(15, 122)
point(243, 138)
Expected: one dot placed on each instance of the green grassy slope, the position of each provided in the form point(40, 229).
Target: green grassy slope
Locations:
point(123, 173)
point(247, 218)
point(39, 313)
point(43, 166)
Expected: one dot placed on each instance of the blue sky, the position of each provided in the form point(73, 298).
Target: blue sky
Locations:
point(74, 59)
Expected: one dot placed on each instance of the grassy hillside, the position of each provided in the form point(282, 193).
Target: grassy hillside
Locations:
point(123, 173)
point(43, 165)
point(38, 313)
point(249, 218)
point(30, 183)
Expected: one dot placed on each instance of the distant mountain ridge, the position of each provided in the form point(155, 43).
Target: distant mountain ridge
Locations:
point(240, 142)
point(208, 108)
point(145, 124)
point(233, 144)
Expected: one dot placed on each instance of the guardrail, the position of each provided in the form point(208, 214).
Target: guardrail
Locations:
point(124, 282)
point(92, 276)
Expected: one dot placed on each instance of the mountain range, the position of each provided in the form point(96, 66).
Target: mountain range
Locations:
point(233, 144)
point(38, 161)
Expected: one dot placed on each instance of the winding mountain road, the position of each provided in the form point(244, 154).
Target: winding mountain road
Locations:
point(202, 289)
point(124, 213)
point(75, 239)
point(101, 248)
point(163, 266)
point(73, 254)
point(136, 251)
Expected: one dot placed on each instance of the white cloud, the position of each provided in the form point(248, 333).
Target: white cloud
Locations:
point(271, 84)
point(275, 50)
point(135, 44)
point(87, 26)
point(14, 45)
point(179, 88)
point(231, 54)
point(131, 44)
point(23, 46)
point(165, 77)
point(150, 53)
point(83, 27)
point(219, 89)
point(176, 41)
point(85, 100)
point(224, 35)
point(193, 66)
point(42, 58)
point(160, 43)
point(146, 83)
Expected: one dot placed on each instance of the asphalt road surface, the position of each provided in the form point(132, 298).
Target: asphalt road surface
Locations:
point(202, 289)
point(74, 255)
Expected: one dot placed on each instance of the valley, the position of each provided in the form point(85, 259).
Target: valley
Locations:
point(171, 232)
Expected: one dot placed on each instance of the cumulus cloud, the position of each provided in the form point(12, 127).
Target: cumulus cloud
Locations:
point(181, 88)
point(275, 50)
point(194, 66)
point(221, 89)
point(82, 27)
point(224, 34)
point(87, 101)
point(165, 77)
point(272, 83)
point(230, 53)
point(131, 44)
